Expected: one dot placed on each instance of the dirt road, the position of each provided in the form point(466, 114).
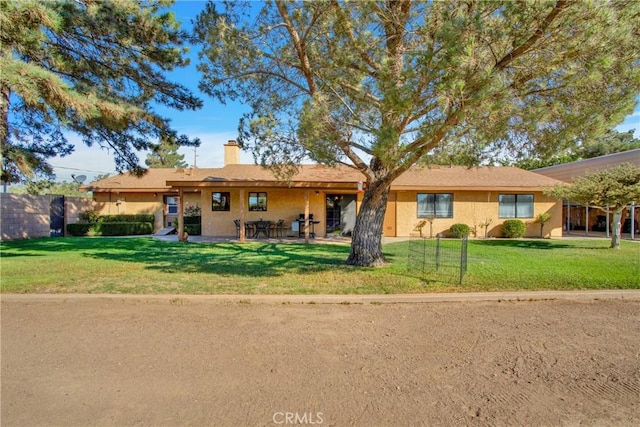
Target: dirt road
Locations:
point(116, 362)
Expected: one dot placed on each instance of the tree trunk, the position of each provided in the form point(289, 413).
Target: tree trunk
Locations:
point(616, 225)
point(366, 239)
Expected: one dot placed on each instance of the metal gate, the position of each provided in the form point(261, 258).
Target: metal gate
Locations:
point(441, 260)
point(56, 216)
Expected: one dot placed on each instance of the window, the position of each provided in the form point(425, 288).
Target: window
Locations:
point(435, 205)
point(515, 205)
point(172, 205)
point(257, 201)
point(220, 201)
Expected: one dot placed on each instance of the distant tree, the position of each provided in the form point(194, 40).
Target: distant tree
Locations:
point(378, 85)
point(89, 67)
point(43, 187)
point(615, 188)
point(610, 142)
point(165, 155)
point(101, 176)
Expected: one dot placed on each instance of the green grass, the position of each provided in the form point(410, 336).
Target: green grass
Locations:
point(150, 266)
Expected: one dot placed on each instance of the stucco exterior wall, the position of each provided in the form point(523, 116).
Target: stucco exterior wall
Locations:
point(139, 203)
point(474, 208)
point(284, 204)
point(24, 216)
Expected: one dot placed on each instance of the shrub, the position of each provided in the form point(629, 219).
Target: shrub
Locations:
point(459, 230)
point(513, 228)
point(110, 228)
point(193, 220)
point(89, 216)
point(193, 229)
point(80, 229)
point(127, 218)
point(192, 211)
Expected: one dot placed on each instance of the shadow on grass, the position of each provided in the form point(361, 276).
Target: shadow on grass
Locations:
point(532, 244)
point(232, 259)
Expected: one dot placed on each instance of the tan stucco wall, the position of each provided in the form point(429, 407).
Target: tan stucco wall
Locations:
point(24, 216)
point(139, 203)
point(284, 204)
point(470, 207)
point(473, 208)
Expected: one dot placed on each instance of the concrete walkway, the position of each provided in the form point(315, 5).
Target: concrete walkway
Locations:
point(633, 294)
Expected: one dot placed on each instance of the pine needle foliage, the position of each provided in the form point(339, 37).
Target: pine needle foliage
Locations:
point(379, 85)
point(91, 67)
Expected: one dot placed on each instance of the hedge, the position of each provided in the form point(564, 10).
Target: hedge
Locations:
point(127, 218)
point(192, 220)
point(193, 229)
point(110, 228)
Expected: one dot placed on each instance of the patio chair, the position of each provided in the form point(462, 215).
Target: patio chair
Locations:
point(237, 223)
point(277, 228)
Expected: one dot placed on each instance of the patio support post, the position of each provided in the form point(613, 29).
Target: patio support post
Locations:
point(243, 218)
point(180, 215)
point(608, 224)
point(586, 221)
point(633, 220)
point(568, 216)
point(306, 216)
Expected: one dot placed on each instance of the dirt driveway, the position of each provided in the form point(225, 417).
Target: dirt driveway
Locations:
point(124, 362)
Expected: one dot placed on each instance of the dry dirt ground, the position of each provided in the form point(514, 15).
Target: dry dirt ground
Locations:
point(116, 362)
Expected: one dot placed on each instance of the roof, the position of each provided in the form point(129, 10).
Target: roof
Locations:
point(491, 178)
point(568, 171)
point(439, 178)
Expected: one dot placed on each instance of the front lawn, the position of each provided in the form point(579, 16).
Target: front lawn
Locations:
point(150, 266)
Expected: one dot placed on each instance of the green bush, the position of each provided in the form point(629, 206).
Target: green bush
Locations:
point(193, 229)
point(80, 229)
point(459, 230)
point(127, 218)
point(89, 216)
point(110, 228)
point(192, 220)
point(513, 228)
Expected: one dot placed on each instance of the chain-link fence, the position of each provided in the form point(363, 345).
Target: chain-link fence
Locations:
point(439, 259)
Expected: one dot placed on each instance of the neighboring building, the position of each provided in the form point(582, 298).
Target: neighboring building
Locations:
point(333, 195)
point(582, 218)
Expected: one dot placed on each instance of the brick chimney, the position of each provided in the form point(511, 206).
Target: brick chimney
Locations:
point(231, 153)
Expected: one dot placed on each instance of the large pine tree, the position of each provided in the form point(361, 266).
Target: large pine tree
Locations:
point(93, 67)
point(378, 85)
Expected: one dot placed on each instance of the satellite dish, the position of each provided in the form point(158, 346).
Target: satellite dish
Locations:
point(79, 179)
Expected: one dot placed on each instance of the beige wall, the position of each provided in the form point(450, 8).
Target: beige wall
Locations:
point(284, 204)
point(139, 203)
point(470, 207)
point(24, 216)
point(473, 208)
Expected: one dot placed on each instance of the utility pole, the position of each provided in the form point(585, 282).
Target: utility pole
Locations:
point(195, 165)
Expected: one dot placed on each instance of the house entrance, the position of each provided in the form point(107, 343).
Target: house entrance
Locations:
point(341, 214)
point(170, 211)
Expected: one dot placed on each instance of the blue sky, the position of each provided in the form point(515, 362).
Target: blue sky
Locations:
point(214, 124)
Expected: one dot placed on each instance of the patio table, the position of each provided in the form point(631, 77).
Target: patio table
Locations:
point(261, 227)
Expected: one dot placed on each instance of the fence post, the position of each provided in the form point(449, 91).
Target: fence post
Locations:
point(438, 252)
point(463, 258)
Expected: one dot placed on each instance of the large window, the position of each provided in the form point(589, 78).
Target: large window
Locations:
point(515, 206)
point(257, 201)
point(435, 205)
point(220, 201)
